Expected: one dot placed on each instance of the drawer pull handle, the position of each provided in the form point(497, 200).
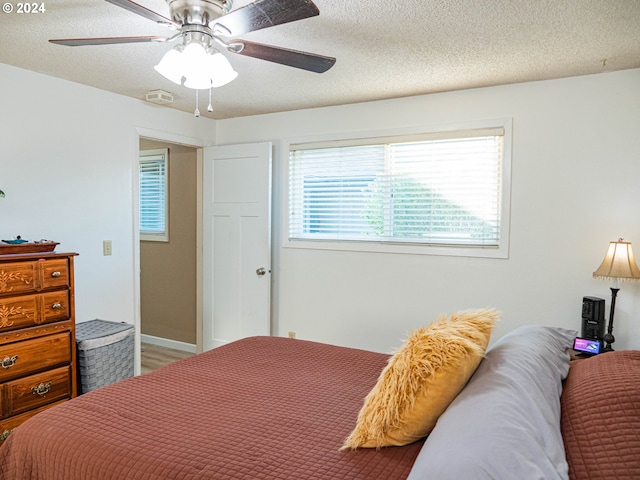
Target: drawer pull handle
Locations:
point(56, 306)
point(55, 274)
point(8, 362)
point(41, 389)
point(4, 435)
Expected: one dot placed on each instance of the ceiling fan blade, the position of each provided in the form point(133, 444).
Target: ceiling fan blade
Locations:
point(265, 13)
point(144, 12)
point(77, 42)
point(284, 56)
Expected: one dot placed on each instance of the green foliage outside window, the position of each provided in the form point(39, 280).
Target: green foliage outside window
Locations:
point(415, 211)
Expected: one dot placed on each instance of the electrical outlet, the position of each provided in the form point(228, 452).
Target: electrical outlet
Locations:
point(292, 334)
point(106, 247)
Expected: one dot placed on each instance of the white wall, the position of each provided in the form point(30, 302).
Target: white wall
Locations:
point(575, 187)
point(68, 155)
point(66, 163)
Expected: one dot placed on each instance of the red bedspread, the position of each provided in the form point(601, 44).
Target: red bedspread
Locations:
point(262, 408)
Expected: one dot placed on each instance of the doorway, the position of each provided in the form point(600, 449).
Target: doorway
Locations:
point(168, 268)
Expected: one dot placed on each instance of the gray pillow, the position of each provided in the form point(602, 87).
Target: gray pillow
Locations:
point(505, 424)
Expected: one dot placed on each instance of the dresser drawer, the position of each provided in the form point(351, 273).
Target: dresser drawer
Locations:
point(54, 306)
point(55, 273)
point(31, 310)
point(8, 424)
point(34, 391)
point(30, 356)
point(18, 277)
point(18, 312)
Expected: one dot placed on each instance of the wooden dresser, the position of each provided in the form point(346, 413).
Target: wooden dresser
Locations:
point(37, 335)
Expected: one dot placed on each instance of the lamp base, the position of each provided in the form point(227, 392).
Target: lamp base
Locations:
point(608, 337)
point(608, 340)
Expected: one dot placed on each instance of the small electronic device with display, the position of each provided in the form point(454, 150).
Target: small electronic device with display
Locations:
point(587, 346)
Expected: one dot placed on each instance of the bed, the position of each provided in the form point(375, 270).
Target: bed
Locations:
point(269, 408)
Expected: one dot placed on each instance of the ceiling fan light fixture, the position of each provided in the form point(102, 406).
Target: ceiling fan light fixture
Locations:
point(199, 65)
point(172, 65)
point(196, 71)
point(220, 70)
point(194, 52)
point(198, 82)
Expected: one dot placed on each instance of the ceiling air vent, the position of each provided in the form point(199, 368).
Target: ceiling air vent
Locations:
point(160, 97)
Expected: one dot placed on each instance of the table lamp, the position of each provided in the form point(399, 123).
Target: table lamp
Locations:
point(618, 264)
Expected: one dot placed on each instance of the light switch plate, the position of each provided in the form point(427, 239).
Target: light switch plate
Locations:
point(106, 247)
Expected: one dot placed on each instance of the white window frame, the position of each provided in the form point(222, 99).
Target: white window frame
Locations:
point(501, 251)
point(157, 154)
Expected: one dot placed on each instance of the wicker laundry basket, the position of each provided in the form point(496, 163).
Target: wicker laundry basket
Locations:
point(105, 353)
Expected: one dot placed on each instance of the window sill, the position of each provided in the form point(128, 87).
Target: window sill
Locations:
point(498, 252)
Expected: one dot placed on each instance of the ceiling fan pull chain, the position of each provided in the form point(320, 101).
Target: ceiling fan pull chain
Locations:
point(210, 107)
point(197, 112)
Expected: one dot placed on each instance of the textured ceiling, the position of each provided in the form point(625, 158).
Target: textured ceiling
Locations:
point(384, 49)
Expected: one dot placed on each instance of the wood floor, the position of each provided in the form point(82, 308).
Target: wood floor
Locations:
point(154, 357)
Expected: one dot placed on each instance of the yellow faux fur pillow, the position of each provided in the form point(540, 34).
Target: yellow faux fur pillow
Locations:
point(422, 379)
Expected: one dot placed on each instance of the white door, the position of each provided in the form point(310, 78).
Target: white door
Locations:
point(237, 249)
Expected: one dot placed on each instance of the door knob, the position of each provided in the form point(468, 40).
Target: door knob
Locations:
point(261, 271)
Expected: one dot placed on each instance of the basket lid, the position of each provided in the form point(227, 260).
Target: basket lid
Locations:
point(97, 333)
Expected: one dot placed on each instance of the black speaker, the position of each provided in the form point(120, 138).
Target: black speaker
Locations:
point(593, 317)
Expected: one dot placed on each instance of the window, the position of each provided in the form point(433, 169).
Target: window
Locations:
point(154, 173)
point(403, 193)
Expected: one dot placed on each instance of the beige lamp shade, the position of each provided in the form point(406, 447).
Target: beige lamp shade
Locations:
point(619, 263)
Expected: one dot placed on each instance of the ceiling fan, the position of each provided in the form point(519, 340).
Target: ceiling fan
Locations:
point(212, 23)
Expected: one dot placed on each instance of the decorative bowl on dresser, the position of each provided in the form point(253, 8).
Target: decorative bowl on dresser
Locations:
point(10, 246)
point(37, 335)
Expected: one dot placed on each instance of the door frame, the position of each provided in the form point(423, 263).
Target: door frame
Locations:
point(199, 145)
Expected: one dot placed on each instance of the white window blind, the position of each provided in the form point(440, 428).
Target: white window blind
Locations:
point(436, 189)
point(153, 195)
